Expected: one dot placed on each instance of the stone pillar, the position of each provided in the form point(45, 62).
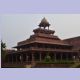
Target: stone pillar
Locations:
point(21, 58)
point(61, 56)
point(72, 56)
point(8, 58)
point(32, 57)
point(12, 58)
point(40, 56)
point(66, 56)
point(26, 58)
point(33, 60)
point(16, 57)
point(55, 57)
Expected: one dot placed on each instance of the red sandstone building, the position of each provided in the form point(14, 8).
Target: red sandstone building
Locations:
point(41, 44)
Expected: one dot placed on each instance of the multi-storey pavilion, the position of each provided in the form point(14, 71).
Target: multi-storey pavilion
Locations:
point(42, 43)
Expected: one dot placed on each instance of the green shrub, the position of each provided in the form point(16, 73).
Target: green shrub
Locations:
point(47, 58)
point(48, 61)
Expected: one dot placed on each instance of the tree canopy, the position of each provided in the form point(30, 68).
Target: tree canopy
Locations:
point(3, 52)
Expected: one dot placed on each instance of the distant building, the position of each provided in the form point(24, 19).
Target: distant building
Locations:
point(44, 43)
point(75, 42)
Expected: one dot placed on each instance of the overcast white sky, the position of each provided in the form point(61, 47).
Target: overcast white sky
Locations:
point(18, 27)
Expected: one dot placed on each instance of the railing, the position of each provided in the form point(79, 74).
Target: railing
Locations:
point(47, 49)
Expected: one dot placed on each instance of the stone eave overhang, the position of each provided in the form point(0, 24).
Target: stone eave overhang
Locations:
point(42, 42)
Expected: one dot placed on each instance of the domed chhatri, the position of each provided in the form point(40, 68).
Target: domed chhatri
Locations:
point(44, 23)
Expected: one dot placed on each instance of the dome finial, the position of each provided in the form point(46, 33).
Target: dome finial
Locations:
point(44, 23)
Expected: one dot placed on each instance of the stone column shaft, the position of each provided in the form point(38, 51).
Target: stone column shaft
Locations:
point(26, 57)
point(33, 60)
point(32, 57)
point(21, 58)
point(61, 56)
point(40, 56)
point(66, 56)
point(16, 58)
point(12, 58)
point(55, 57)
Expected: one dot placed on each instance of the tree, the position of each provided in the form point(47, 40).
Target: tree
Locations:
point(3, 52)
point(48, 58)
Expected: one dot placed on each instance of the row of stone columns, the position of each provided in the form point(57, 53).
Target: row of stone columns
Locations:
point(21, 58)
point(55, 56)
point(61, 56)
point(40, 57)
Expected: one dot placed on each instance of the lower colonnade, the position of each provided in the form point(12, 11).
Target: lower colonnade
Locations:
point(39, 56)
